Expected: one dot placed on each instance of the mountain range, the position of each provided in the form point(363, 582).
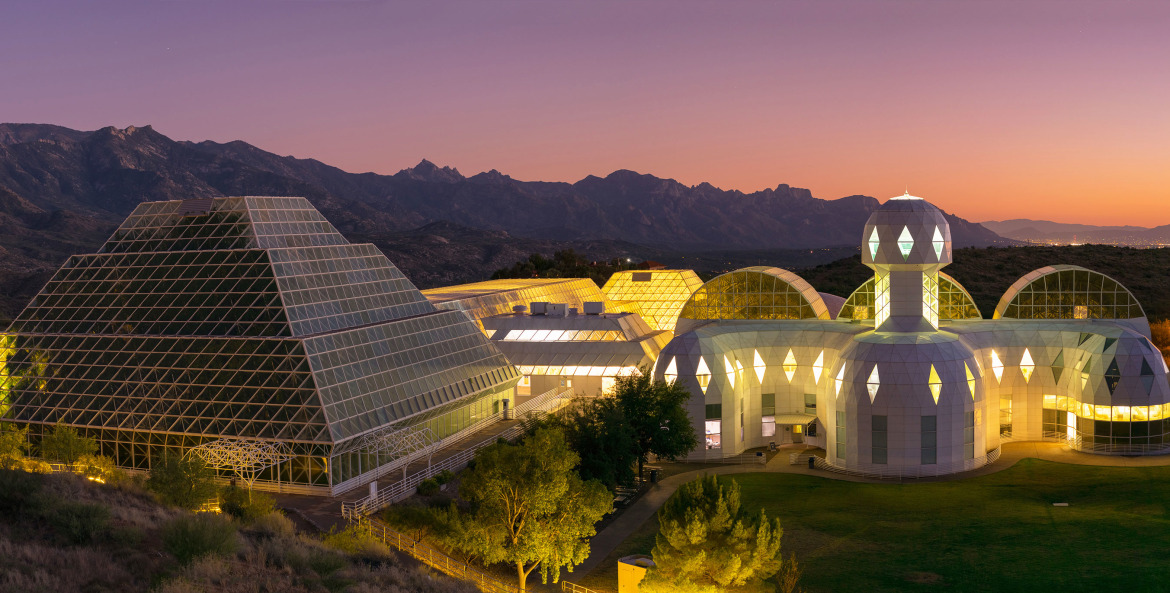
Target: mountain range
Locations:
point(63, 191)
point(1059, 233)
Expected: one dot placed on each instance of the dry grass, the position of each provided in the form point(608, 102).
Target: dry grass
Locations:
point(129, 558)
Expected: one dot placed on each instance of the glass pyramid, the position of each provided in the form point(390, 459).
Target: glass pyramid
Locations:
point(245, 317)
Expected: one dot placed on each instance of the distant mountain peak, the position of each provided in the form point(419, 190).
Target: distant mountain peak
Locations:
point(428, 171)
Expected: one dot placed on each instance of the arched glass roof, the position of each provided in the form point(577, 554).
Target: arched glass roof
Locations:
point(954, 302)
point(758, 292)
point(1068, 292)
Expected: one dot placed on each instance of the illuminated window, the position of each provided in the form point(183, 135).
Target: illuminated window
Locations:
point(954, 302)
point(905, 243)
point(874, 243)
point(970, 380)
point(882, 298)
point(930, 298)
point(761, 368)
point(703, 374)
point(1067, 292)
point(738, 369)
point(671, 373)
point(935, 384)
point(730, 371)
point(938, 243)
point(996, 366)
point(790, 365)
point(1027, 365)
point(873, 383)
point(818, 368)
point(840, 379)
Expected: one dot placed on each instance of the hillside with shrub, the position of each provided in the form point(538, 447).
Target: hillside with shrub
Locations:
point(61, 532)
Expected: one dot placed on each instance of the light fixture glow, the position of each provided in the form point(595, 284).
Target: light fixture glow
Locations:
point(935, 383)
point(873, 383)
point(761, 368)
point(818, 368)
point(1027, 365)
point(790, 365)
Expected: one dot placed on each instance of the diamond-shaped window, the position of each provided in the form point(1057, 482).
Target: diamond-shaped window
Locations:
point(996, 366)
point(935, 383)
point(939, 243)
point(840, 379)
point(790, 365)
point(905, 242)
point(671, 373)
point(703, 374)
point(1027, 365)
point(873, 383)
point(818, 368)
point(970, 381)
point(874, 243)
point(730, 371)
point(761, 368)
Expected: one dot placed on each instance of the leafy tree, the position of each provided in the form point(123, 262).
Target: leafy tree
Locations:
point(13, 447)
point(655, 412)
point(529, 507)
point(598, 430)
point(244, 505)
point(183, 481)
point(65, 445)
point(707, 543)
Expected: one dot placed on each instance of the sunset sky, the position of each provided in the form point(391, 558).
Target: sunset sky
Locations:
point(992, 110)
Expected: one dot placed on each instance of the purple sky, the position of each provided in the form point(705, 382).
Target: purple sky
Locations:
point(1055, 110)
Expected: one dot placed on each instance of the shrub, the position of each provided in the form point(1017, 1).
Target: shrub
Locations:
point(97, 467)
point(243, 505)
point(356, 540)
point(79, 523)
point(13, 447)
point(182, 481)
point(193, 536)
point(428, 487)
point(274, 524)
point(65, 445)
point(444, 477)
point(18, 492)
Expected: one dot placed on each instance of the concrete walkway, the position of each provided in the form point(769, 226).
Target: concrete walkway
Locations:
point(645, 507)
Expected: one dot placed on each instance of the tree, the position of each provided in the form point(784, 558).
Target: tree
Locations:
point(707, 543)
point(529, 507)
point(182, 480)
point(13, 447)
point(655, 413)
point(65, 445)
point(597, 429)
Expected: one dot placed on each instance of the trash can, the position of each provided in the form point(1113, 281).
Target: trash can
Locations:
point(654, 476)
point(812, 461)
point(772, 445)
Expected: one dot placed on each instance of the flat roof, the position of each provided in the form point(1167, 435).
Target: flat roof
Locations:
point(478, 289)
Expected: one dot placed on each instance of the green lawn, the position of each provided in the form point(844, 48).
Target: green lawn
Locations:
point(998, 532)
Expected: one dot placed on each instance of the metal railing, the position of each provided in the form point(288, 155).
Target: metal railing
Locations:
point(437, 559)
point(545, 403)
point(742, 458)
point(918, 471)
point(567, 587)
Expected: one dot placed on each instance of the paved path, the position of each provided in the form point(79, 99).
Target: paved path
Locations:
point(605, 542)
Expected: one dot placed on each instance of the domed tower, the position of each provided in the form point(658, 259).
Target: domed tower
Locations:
point(907, 399)
point(906, 242)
